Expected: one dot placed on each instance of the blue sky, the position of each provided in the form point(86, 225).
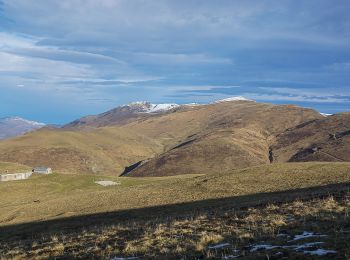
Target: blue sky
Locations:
point(63, 59)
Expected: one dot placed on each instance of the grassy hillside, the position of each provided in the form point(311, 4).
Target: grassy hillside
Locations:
point(8, 167)
point(71, 195)
point(218, 137)
point(172, 217)
point(103, 151)
point(326, 139)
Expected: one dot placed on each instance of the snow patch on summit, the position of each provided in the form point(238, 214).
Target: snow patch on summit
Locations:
point(147, 107)
point(161, 107)
point(236, 98)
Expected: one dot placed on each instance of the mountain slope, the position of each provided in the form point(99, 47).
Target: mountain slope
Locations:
point(102, 151)
point(121, 115)
point(15, 126)
point(219, 137)
point(153, 141)
point(326, 139)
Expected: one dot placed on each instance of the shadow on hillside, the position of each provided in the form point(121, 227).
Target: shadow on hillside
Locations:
point(180, 210)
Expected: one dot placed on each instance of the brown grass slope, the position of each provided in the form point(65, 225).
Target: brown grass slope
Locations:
point(116, 116)
point(217, 138)
point(119, 115)
point(102, 151)
point(326, 139)
point(68, 216)
point(199, 139)
point(221, 233)
point(57, 195)
point(8, 167)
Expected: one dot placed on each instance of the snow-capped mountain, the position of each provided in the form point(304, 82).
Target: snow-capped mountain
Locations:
point(14, 126)
point(147, 107)
point(122, 114)
point(138, 109)
point(20, 120)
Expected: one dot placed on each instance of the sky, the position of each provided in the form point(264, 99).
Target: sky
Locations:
point(63, 59)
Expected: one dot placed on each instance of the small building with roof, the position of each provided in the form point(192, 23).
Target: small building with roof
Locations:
point(15, 176)
point(42, 170)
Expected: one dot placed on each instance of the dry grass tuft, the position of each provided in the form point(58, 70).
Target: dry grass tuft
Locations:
point(237, 230)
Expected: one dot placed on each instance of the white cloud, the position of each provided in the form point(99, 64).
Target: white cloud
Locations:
point(23, 61)
point(35, 66)
point(316, 92)
point(296, 98)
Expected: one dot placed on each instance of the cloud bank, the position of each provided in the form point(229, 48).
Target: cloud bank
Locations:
point(75, 57)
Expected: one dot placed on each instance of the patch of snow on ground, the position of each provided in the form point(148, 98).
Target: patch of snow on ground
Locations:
point(107, 183)
point(312, 248)
point(125, 258)
point(307, 245)
point(305, 235)
point(262, 247)
point(320, 252)
point(297, 248)
point(219, 246)
point(230, 256)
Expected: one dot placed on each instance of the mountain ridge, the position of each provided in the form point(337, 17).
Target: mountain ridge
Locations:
point(188, 139)
point(15, 126)
point(136, 110)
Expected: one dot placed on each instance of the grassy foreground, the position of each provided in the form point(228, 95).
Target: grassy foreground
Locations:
point(71, 216)
point(293, 230)
point(55, 196)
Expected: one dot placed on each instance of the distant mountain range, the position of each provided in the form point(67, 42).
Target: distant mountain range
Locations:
point(14, 126)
